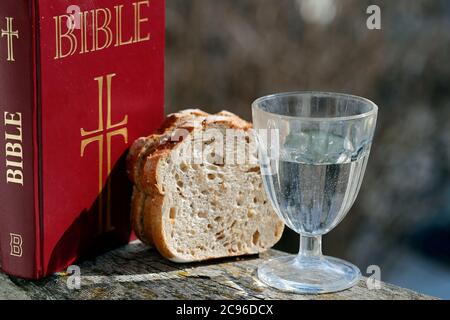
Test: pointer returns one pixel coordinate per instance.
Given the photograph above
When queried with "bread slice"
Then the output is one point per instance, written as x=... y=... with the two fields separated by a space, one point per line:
x=139 y=152
x=194 y=210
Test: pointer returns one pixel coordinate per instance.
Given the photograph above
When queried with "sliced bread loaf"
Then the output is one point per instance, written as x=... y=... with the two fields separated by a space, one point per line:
x=195 y=207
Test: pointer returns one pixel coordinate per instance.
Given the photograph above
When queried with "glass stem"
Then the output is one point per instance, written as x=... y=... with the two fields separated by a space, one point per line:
x=310 y=247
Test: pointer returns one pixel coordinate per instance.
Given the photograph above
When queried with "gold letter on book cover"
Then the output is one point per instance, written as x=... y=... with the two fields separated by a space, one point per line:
x=13 y=147
x=98 y=136
x=16 y=243
x=68 y=35
x=10 y=33
x=138 y=21
x=104 y=28
x=119 y=31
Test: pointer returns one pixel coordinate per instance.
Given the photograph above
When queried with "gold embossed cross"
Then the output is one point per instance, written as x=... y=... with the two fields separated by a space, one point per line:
x=10 y=34
x=98 y=136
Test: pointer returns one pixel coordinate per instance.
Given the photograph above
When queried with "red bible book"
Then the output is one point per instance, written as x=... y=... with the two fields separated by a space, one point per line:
x=79 y=82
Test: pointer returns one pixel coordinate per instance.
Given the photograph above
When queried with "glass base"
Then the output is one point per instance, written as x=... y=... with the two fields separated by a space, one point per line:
x=309 y=275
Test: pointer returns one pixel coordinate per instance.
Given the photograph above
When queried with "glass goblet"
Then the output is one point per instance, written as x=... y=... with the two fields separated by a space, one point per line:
x=313 y=150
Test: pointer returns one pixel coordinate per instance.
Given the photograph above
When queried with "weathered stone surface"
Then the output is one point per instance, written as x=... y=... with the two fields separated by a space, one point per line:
x=137 y=272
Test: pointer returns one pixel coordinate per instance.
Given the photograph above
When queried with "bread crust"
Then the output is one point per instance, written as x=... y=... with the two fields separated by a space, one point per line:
x=143 y=165
x=138 y=201
x=142 y=147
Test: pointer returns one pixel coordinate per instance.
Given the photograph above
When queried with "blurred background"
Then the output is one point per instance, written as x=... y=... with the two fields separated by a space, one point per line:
x=223 y=54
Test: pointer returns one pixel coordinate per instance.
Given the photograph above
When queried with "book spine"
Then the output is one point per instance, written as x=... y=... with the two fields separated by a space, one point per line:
x=19 y=231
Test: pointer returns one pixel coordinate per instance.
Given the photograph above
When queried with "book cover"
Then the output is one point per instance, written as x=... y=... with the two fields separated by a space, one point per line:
x=80 y=81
